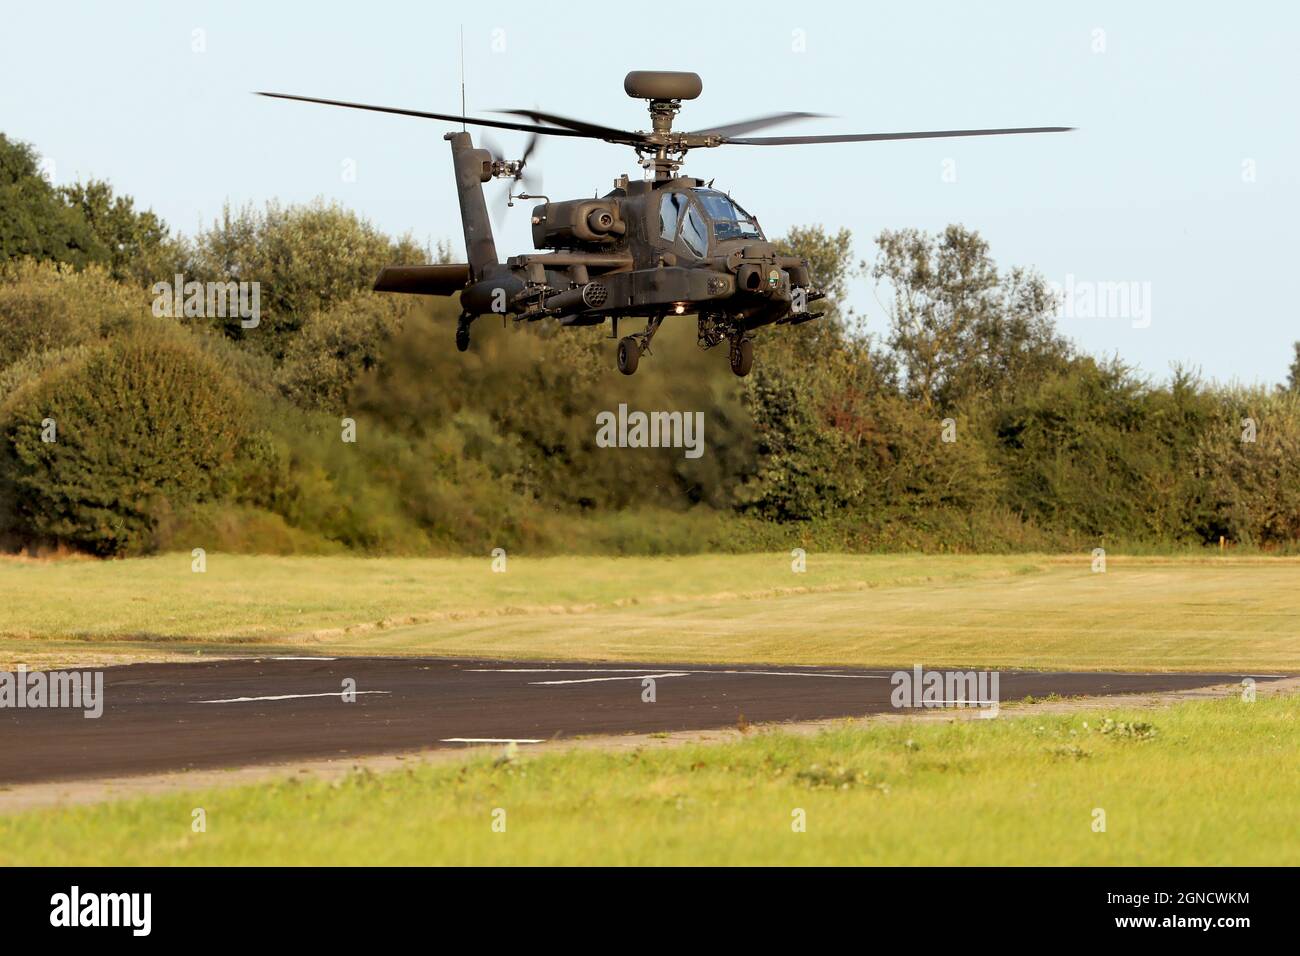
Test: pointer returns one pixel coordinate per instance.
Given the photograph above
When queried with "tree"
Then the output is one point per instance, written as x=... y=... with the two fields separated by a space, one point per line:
x=831 y=260
x=34 y=220
x=830 y=257
x=134 y=240
x=306 y=259
x=1293 y=376
x=960 y=330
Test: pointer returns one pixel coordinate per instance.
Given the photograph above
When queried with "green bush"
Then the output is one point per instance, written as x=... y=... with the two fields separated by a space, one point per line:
x=805 y=469
x=144 y=419
x=307 y=259
x=234 y=528
x=1099 y=453
x=48 y=305
x=325 y=359
x=1249 y=458
x=542 y=389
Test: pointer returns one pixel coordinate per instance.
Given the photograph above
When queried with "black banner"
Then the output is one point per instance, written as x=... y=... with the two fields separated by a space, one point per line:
x=341 y=905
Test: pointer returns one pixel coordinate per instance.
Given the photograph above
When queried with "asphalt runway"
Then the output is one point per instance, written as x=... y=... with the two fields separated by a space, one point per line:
x=227 y=713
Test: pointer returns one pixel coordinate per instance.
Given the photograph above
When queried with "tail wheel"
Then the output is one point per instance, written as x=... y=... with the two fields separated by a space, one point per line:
x=462 y=338
x=742 y=357
x=629 y=355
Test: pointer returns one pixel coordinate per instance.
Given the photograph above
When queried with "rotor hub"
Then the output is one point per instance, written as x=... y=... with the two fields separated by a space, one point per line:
x=663 y=91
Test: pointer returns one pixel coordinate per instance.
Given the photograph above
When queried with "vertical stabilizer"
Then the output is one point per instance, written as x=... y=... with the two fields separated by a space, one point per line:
x=473 y=169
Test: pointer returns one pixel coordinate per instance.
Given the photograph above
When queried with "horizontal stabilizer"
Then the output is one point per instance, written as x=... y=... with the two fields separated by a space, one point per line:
x=424 y=280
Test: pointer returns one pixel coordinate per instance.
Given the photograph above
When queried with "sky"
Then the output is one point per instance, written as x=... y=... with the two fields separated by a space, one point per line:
x=1169 y=215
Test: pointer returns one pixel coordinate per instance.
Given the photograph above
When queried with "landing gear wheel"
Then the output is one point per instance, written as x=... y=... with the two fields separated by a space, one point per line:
x=742 y=357
x=629 y=354
x=462 y=338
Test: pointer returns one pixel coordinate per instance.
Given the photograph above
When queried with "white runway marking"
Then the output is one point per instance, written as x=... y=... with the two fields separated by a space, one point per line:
x=630 y=670
x=490 y=740
x=554 y=670
x=592 y=680
x=245 y=700
x=798 y=674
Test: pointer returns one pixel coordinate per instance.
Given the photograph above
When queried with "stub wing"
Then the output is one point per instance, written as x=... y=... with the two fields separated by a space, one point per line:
x=445 y=279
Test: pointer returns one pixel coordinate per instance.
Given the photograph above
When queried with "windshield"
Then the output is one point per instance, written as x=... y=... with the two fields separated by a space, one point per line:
x=729 y=220
x=670 y=211
x=695 y=233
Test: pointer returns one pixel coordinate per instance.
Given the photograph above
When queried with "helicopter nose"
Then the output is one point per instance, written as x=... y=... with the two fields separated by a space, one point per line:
x=749 y=278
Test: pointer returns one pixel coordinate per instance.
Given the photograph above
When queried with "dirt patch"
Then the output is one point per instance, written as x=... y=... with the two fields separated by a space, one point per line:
x=66 y=658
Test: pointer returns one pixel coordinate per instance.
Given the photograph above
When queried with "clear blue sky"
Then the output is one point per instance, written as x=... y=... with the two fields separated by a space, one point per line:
x=1150 y=188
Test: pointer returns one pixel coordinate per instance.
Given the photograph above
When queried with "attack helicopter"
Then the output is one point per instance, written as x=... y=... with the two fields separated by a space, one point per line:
x=663 y=245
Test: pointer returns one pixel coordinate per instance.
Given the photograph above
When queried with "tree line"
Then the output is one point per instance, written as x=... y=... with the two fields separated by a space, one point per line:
x=345 y=419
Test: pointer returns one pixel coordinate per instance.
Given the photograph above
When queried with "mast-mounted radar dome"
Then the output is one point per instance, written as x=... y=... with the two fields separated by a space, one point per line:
x=662 y=85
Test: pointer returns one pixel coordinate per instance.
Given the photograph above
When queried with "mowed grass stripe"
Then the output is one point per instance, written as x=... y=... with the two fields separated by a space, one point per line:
x=1061 y=618
x=264 y=596
x=1001 y=611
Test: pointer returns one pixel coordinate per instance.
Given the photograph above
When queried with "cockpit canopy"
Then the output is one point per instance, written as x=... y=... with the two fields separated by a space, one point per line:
x=729 y=220
x=680 y=218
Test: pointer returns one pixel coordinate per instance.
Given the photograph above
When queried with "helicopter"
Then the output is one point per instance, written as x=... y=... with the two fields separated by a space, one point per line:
x=667 y=244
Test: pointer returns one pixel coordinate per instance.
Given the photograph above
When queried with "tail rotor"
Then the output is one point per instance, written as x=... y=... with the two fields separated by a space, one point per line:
x=516 y=173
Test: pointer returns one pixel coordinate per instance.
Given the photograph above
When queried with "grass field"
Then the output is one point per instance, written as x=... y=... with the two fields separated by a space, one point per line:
x=999 y=611
x=1211 y=782
x=1208 y=782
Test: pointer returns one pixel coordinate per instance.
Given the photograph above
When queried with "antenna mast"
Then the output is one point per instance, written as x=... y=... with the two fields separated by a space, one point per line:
x=462 y=76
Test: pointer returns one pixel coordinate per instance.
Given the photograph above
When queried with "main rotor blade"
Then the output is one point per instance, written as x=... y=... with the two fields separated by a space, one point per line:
x=758 y=122
x=873 y=137
x=448 y=117
x=578 y=126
